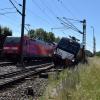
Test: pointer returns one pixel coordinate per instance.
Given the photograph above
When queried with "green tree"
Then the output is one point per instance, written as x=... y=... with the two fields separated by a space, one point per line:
x=40 y=33
x=57 y=39
x=51 y=36
x=98 y=53
x=5 y=31
x=31 y=33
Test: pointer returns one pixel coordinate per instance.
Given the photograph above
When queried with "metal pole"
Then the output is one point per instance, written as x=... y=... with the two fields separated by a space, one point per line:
x=84 y=40
x=22 y=30
x=94 y=43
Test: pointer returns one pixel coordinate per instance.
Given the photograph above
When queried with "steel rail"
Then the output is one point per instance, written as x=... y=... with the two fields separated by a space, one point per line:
x=13 y=78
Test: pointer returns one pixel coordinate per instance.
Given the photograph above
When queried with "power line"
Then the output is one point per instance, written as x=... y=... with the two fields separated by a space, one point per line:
x=3 y=9
x=68 y=25
x=41 y=9
x=7 y=13
x=18 y=3
x=15 y=7
x=66 y=8
x=51 y=11
x=73 y=20
x=34 y=14
x=10 y=20
x=26 y=29
x=58 y=8
x=72 y=25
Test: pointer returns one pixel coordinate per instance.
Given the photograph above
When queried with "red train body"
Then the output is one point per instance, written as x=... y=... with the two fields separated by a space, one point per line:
x=32 y=48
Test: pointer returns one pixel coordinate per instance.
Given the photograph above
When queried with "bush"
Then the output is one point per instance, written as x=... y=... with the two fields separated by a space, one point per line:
x=98 y=53
x=82 y=83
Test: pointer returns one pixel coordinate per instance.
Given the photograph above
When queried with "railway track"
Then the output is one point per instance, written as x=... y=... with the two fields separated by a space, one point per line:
x=10 y=78
x=5 y=63
x=32 y=62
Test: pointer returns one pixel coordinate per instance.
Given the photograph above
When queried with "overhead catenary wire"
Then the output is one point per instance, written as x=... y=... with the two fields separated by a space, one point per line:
x=72 y=25
x=18 y=3
x=66 y=8
x=59 y=28
x=50 y=10
x=26 y=29
x=67 y=25
x=3 y=9
x=68 y=22
x=38 y=6
x=32 y=13
x=11 y=20
x=74 y=20
x=4 y=13
x=15 y=7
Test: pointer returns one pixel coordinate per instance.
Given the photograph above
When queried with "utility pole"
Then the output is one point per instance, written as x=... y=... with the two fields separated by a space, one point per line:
x=84 y=33
x=22 y=30
x=84 y=40
x=94 y=42
x=94 y=45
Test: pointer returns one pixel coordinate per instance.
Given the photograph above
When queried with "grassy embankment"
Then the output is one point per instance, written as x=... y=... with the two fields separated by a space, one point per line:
x=82 y=83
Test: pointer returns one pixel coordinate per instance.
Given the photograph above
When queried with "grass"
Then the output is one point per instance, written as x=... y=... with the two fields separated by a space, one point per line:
x=82 y=83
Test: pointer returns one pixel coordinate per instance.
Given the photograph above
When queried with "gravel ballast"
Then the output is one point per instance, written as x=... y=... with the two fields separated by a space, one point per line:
x=18 y=91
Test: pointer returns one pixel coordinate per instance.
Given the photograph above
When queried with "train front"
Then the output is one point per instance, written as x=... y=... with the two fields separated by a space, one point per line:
x=66 y=52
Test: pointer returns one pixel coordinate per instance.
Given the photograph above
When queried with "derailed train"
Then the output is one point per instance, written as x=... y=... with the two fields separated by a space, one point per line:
x=32 y=48
x=68 y=52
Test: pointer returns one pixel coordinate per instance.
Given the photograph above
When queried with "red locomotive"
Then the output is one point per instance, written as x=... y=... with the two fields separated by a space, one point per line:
x=32 y=48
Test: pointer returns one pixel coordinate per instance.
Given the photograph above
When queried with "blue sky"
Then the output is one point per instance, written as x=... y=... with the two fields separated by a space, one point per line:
x=43 y=13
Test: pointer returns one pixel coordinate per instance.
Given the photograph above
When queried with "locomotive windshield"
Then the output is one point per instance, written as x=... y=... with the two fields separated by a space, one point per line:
x=69 y=45
x=12 y=40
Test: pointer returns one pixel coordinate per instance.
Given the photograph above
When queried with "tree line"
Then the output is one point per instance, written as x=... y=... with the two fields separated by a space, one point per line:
x=5 y=31
x=38 y=33
x=97 y=53
x=42 y=34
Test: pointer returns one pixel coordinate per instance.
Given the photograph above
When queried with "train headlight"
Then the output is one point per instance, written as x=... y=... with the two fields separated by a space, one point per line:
x=73 y=60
